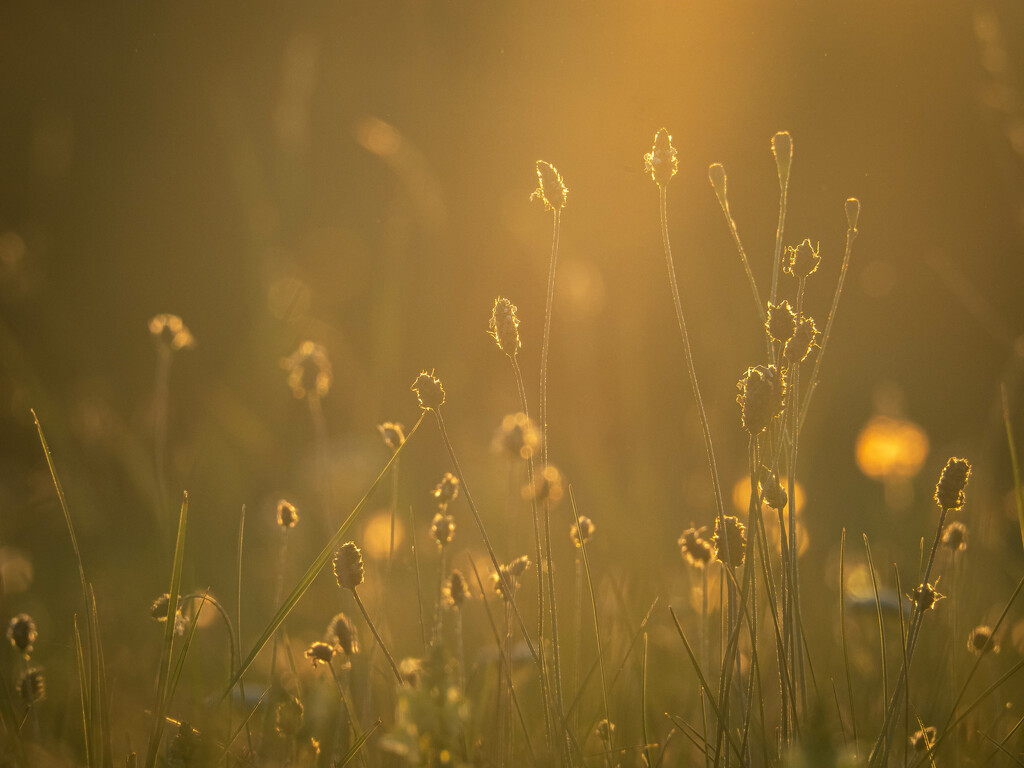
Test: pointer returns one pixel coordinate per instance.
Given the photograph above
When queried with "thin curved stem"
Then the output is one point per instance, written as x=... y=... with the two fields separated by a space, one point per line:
x=378 y=638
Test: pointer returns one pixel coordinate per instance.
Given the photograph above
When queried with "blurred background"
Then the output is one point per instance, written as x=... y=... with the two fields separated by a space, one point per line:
x=358 y=175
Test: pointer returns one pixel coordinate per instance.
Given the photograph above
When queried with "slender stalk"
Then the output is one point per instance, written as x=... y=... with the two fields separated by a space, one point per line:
x=723 y=202
x=416 y=568
x=842 y=629
x=377 y=637
x=238 y=618
x=353 y=721
x=278 y=588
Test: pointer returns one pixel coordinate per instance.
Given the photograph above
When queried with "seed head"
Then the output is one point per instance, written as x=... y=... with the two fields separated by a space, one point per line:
x=852 y=213
x=949 y=491
x=604 y=730
x=782 y=148
x=428 y=391
x=393 y=434
x=158 y=610
x=695 y=548
x=518 y=566
x=581 y=532
x=341 y=632
x=781 y=322
x=504 y=326
x=309 y=371
x=736 y=535
x=925 y=596
x=171 y=332
x=456 y=589
x=954 y=537
x=411 y=671
x=442 y=529
x=287 y=514
x=32 y=686
x=552 y=191
x=546 y=487
x=447 y=490
x=718 y=179
x=799 y=347
x=801 y=261
x=348 y=566
x=981 y=641
x=509 y=574
x=517 y=437
x=771 y=490
x=185 y=748
x=923 y=740
x=320 y=653
x=761 y=397
x=661 y=162
x=288 y=716
x=22 y=633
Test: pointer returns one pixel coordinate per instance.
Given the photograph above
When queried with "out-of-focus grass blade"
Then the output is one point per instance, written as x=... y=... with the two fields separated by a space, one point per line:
x=1018 y=492
x=10 y=720
x=101 y=708
x=244 y=724
x=179 y=665
x=315 y=567
x=359 y=744
x=168 y=643
x=83 y=687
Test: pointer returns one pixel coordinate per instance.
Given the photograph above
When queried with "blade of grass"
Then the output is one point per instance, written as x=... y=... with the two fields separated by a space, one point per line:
x=10 y=721
x=318 y=564
x=244 y=726
x=842 y=629
x=1018 y=492
x=179 y=665
x=358 y=745
x=168 y=642
x=83 y=687
x=643 y=703
x=881 y=625
x=102 y=708
x=903 y=648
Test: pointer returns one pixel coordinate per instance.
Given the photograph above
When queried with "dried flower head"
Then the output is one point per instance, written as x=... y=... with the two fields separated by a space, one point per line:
x=981 y=641
x=341 y=632
x=781 y=322
x=504 y=326
x=411 y=671
x=771 y=490
x=320 y=653
x=171 y=332
x=158 y=610
x=661 y=162
x=32 y=686
x=392 y=433
x=309 y=370
x=735 y=535
x=761 y=397
x=22 y=633
x=288 y=716
x=852 y=213
x=518 y=566
x=799 y=347
x=442 y=529
x=509 y=574
x=949 y=491
x=456 y=589
x=925 y=596
x=694 y=547
x=546 y=487
x=348 y=566
x=552 y=191
x=954 y=536
x=801 y=261
x=447 y=490
x=604 y=730
x=924 y=739
x=581 y=531
x=517 y=437
x=428 y=391
x=287 y=514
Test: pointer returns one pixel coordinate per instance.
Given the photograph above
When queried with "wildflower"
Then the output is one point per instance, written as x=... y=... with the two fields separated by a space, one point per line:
x=517 y=437
x=393 y=434
x=781 y=322
x=348 y=566
x=581 y=531
x=342 y=634
x=954 y=537
x=546 y=486
x=309 y=370
x=799 y=346
x=949 y=491
x=923 y=740
x=981 y=641
x=661 y=162
x=428 y=391
x=801 y=261
x=320 y=653
x=552 y=191
x=736 y=535
x=604 y=730
x=288 y=716
x=442 y=529
x=456 y=589
x=171 y=332
x=287 y=514
x=447 y=490
x=504 y=326
x=925 y=596
x=22 y=633
x=32 y=686
x=761 y=397
x=694 y=547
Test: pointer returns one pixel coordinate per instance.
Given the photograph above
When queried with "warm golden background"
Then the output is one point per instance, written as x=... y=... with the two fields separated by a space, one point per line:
x=358 y=174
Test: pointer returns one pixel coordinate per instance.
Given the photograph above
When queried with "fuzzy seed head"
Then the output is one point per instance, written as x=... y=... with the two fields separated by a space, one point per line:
x=442 y=529
x=949 y=492
x=736 y=535
x=771 y=490
x=32 y=686
x=547 y=486
x=22 y=633
x=517 y=437
x=552 y=191
x=761 y=397
x=661 y=162
x=342 y=634
x=171 y=333
x=801 y=261
x=456 y=590
x=925 y=596
x=718 y=179
x=781 y=322
x=287 y=514
x=348 y=566
x=518 y=566
x=411 y=671
x=695 y=548
x=782 y=148
x=924 y=739
x=852 y=213
x=604 y=730
x=981 y=641
x=504 y=326
x=447 y=490
x=393 y=434
x=581 y=532
x=954 y=537
x=799 y=347
x=428 y=391
x=320 y=653
x=309 y=371
x=288 y=716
